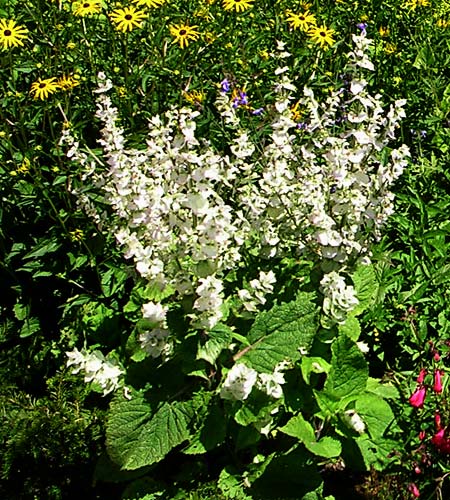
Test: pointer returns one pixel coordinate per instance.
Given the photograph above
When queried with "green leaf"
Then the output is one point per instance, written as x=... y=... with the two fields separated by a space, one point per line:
x=351 y=328
x=313 y=365
x=281 y=333
x=299 y=428
x=376 y=453
x=232 y=485
x=349 y=371
x=219 y=338
x=21 y=311
x=30 y=326
x=210 y=435
x=43 y=248
x=366 y=286
x=136 y=438
x=386 y=391
x=375 y=413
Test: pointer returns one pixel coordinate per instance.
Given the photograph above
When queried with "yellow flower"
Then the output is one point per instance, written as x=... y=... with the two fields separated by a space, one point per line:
x=303 y=21
x=42 y=88
x=150 y=3
x=237 y=5
x=383 y=31
x=413 y=4
x=296 y=114
x=322 y=36
x=442 y=23
x=71 y=45
x=390 y=48
x=76 y=235
x=68 y=82
x=25 y=166
x=11 y=34
x=183 y=33
x=128 y=18
x=194 y=96
x=87 y=7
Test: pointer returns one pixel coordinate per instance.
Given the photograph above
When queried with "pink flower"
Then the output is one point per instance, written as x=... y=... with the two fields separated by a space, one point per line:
x=437 y=381
x=437 y=420
x=422 y=435
x=441 y=442
x=414 y=490
x=418 y=397
x=436 y=356
x=422 y=375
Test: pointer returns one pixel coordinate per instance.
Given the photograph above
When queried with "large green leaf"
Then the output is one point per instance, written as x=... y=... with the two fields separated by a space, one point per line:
x=136 y=438
x=366 y=287
x=281 y=333
x=299 y=428
x=349 y=371
x=375 y=412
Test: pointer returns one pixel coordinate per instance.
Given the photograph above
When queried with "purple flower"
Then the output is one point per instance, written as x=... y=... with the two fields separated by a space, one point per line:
x=362 y=27
x=225 y=84
x=258 y=111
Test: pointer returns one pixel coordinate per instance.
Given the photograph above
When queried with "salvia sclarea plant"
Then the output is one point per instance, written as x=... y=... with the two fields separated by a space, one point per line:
x=289 y=385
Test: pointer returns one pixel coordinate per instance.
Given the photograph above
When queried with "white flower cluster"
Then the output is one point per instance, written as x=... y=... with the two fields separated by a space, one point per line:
x=325 y=183
x=96 y=368
x=339 y=298
x=259 y=288
x=186 y=213
x=156 y=341
x=241 y=379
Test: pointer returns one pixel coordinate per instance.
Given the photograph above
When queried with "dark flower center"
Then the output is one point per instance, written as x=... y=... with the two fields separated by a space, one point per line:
x=128 y=17
x=86 y=5
x=323 y=34
x=183 y=32
x=42 y=85
x=7 y=33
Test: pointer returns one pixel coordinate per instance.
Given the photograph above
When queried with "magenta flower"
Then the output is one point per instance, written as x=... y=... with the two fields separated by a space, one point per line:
x=437 y=420
x=437 y=381
x=414 y=490
x=441 y=443
x=422 y=375
x=418 y=397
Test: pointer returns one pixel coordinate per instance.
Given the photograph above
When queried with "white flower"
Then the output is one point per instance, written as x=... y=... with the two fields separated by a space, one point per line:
x=239 y=382
x=354 y=421
x=154 y=312
x=339 y=298
x=156 y=342
x=96 y=368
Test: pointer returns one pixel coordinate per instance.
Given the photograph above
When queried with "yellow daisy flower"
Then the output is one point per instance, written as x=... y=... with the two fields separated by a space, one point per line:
x=322 y=36
x=87 y=8
x=150 y=3
x=183 y=33
x=303 y=21
x=383 y=31
x=11 y=34
x=237 y=5
x=194 y=96
x=128 y=18
x=42 y=88
x=68 y=82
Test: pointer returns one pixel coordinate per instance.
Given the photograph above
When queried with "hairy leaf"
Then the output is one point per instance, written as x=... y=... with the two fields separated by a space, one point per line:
x=136 y=438
x=349 y=372
x=281 y=333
